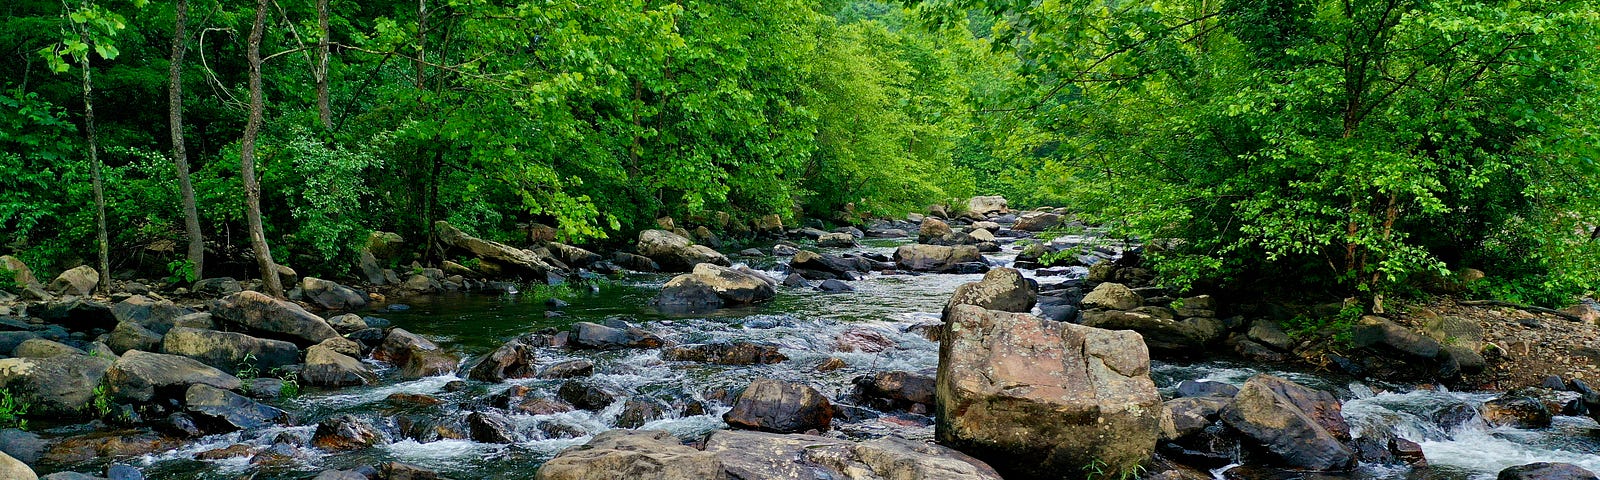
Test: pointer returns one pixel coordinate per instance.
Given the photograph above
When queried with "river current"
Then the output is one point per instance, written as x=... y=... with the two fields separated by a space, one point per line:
x=805 y=325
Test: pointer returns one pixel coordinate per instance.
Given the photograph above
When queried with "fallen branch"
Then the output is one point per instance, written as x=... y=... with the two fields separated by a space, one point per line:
x=1528 y=308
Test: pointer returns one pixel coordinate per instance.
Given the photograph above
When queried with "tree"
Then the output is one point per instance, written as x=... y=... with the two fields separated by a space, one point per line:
x=1355 y=145
x=92 y=28
x=247 y=159
x=180 y=155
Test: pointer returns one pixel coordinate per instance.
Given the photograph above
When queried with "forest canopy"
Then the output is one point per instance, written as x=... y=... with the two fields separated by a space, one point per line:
x=1353 y=146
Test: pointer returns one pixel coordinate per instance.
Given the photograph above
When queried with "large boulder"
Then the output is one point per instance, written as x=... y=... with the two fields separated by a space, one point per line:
x=573 y=256
x=138 y=377
x=12 y=469
x=642 y=454
x=984 y=205
x=1043 y=399
x=399 y=344
x=331 y=295
x=20 y=273
x=601 y=337
x=224 y=411
x=751 y=455
x=1372 y=331
x=1302 y=427
x=511 y=361
x=229 y=351
x=1169 y=337
x=272 y=318
x=1037 y=221
x=725 y=353
x=345 y=432
x=836 y=240
x=499 y=256
x=676 y=253
x=62 y=385
x=80 y=314
x=133 y=336
x=325 y=367
x=725 y=285
x=1002 y=289
x=1112 y=296
x=820 y=262
x=79 y=281
x=1546 y=471
x=934 y=258
x=156 y=315
x=776 y=406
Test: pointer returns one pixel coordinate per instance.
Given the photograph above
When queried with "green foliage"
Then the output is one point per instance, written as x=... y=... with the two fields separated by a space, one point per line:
x=12 y=411
x=289 y=388
x=181 y=270
x=101 y=404
x=1350 y=147
x=1338 y=328
x=248 y=368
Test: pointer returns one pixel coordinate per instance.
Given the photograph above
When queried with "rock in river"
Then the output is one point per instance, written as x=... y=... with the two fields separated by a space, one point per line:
x=934 y=258
x=783 y=407
x=676 y=253
x=138 y=377
x=712 y=285
x=1043 y=399
x=229 y=351
x=1301 y=426
x=642 y=454
x=273 y=318
x=59 y=385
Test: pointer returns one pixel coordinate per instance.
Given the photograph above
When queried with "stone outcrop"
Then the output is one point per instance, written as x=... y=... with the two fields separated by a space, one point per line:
x=1043 y=399
x=225 y=411
x=79 y=281
x=499 y=257
x=748 y=455
x=511 y=361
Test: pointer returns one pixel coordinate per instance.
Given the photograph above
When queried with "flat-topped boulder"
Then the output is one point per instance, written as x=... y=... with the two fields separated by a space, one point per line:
x=138 y=376
x=230 y=351
x=272 y=318
x=935 y=258
x=59 y=385
x=713 y=286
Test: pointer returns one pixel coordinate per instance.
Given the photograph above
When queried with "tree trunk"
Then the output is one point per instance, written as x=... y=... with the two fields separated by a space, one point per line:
x=96 y=177
x=422 y=42
x=323 y=112
x=247 y=160
x=180 y=155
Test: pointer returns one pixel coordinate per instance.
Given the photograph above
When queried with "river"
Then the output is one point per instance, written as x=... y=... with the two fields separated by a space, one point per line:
x=805 y=324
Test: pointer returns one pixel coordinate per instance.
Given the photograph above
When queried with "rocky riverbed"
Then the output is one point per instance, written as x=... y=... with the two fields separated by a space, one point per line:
x=816 y=358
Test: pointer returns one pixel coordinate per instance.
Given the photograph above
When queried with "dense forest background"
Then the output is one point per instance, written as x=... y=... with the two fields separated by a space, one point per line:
x=1358 y=146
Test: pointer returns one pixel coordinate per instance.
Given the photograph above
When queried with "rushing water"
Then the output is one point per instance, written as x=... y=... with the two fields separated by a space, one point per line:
x=804 y=324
